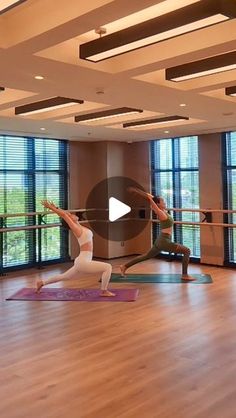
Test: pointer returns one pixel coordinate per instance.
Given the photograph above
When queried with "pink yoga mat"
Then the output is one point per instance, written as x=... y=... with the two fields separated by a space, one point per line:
x=78 y=295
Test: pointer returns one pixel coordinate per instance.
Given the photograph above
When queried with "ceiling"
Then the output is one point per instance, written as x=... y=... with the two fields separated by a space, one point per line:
x=42 y=37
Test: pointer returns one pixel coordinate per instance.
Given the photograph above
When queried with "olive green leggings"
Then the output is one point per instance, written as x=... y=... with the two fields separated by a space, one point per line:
x=164 y=243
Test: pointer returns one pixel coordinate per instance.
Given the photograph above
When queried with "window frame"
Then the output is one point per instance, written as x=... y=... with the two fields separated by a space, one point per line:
x=30 y=173
x=176 y=171
x=227 y=201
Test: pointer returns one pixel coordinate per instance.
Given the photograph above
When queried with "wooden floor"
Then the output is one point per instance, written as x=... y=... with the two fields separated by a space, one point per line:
x=170 y=354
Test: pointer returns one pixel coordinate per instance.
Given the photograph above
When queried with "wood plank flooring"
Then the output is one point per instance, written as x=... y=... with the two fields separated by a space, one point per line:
x=170 y=354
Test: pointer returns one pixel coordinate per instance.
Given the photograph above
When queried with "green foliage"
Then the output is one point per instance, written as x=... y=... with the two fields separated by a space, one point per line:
x=18 y=245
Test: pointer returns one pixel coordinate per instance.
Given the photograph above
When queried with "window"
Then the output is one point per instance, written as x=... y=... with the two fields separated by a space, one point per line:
x=175 y=177
x=31 y=169
x=229 y=181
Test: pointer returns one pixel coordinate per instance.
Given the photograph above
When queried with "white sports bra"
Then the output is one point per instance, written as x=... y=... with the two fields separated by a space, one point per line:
x=86 y=236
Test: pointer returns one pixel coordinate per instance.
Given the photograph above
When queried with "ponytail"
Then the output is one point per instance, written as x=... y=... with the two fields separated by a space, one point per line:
x=156 y=199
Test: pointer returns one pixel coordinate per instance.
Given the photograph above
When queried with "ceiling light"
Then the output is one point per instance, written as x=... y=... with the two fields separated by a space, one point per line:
x=42 y=129
x=186 y=19
x=39 y=77
x=148 y=122
x=228 y=113
x=231 y=91
x=166 y=132
x=183 y=104
x=6 y=5
x=204 y=67
x=100 y=91
x=46 y=105
x=106 y=114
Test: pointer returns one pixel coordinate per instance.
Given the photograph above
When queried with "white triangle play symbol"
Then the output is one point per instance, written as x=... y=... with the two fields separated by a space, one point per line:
x=117 y=209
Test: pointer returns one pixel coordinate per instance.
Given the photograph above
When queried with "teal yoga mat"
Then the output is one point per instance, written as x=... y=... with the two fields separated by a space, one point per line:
x=160 y=278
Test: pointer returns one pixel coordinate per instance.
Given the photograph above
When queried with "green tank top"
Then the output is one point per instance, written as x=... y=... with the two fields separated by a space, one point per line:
x=167 y=223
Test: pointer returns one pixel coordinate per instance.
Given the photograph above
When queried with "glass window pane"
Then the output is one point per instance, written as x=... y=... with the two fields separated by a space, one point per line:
x=47 y=187
x=188 y=151
x=162 y=154
x=15 y=197
x=190 y=195
x=191 y=239
x=2 y=193
x=231 y=148
x=31 y=169
x=233 y=248
x=163 y=186
x=51 y=245
x=13 y=153
x=47 y=156
x=16 y=248
x=231 y=200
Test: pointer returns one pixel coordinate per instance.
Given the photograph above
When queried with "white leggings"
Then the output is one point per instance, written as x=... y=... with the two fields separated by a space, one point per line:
x=84 y=264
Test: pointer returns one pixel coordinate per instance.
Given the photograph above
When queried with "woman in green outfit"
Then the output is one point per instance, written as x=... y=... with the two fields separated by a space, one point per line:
x=163 y=241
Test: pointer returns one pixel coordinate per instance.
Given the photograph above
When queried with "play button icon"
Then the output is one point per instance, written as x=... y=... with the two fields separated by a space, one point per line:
x=117 y=209
x=109 y=201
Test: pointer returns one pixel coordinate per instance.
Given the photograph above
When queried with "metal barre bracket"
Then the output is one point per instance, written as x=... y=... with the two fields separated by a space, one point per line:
x=207 y=217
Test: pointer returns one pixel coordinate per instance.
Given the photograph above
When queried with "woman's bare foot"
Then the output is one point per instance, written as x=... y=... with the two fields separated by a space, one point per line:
x=106 y=293
x=39 y=284
x=122 y=270
x=187 y=277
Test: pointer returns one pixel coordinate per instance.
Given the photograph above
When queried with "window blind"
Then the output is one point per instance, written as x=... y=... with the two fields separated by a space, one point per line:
x=31 y=169
x=229 y=191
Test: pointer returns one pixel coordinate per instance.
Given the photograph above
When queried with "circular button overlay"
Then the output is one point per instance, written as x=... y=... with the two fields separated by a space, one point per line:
x=107 y=200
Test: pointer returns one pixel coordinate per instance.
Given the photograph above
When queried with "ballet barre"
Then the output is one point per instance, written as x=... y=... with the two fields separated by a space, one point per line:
x=200 y=223
x=203 y=210
x=15 y=215
x=28 y=227
x=53 y=225
x=207 y=221
x=42 y=223
x=200 y=210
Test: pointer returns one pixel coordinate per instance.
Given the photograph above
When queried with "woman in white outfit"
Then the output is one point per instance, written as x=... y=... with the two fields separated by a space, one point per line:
x=83 y=263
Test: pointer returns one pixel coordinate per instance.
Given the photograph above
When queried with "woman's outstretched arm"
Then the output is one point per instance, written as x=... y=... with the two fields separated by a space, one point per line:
x=140 y=192
x=148 y=196
x=73 y=225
